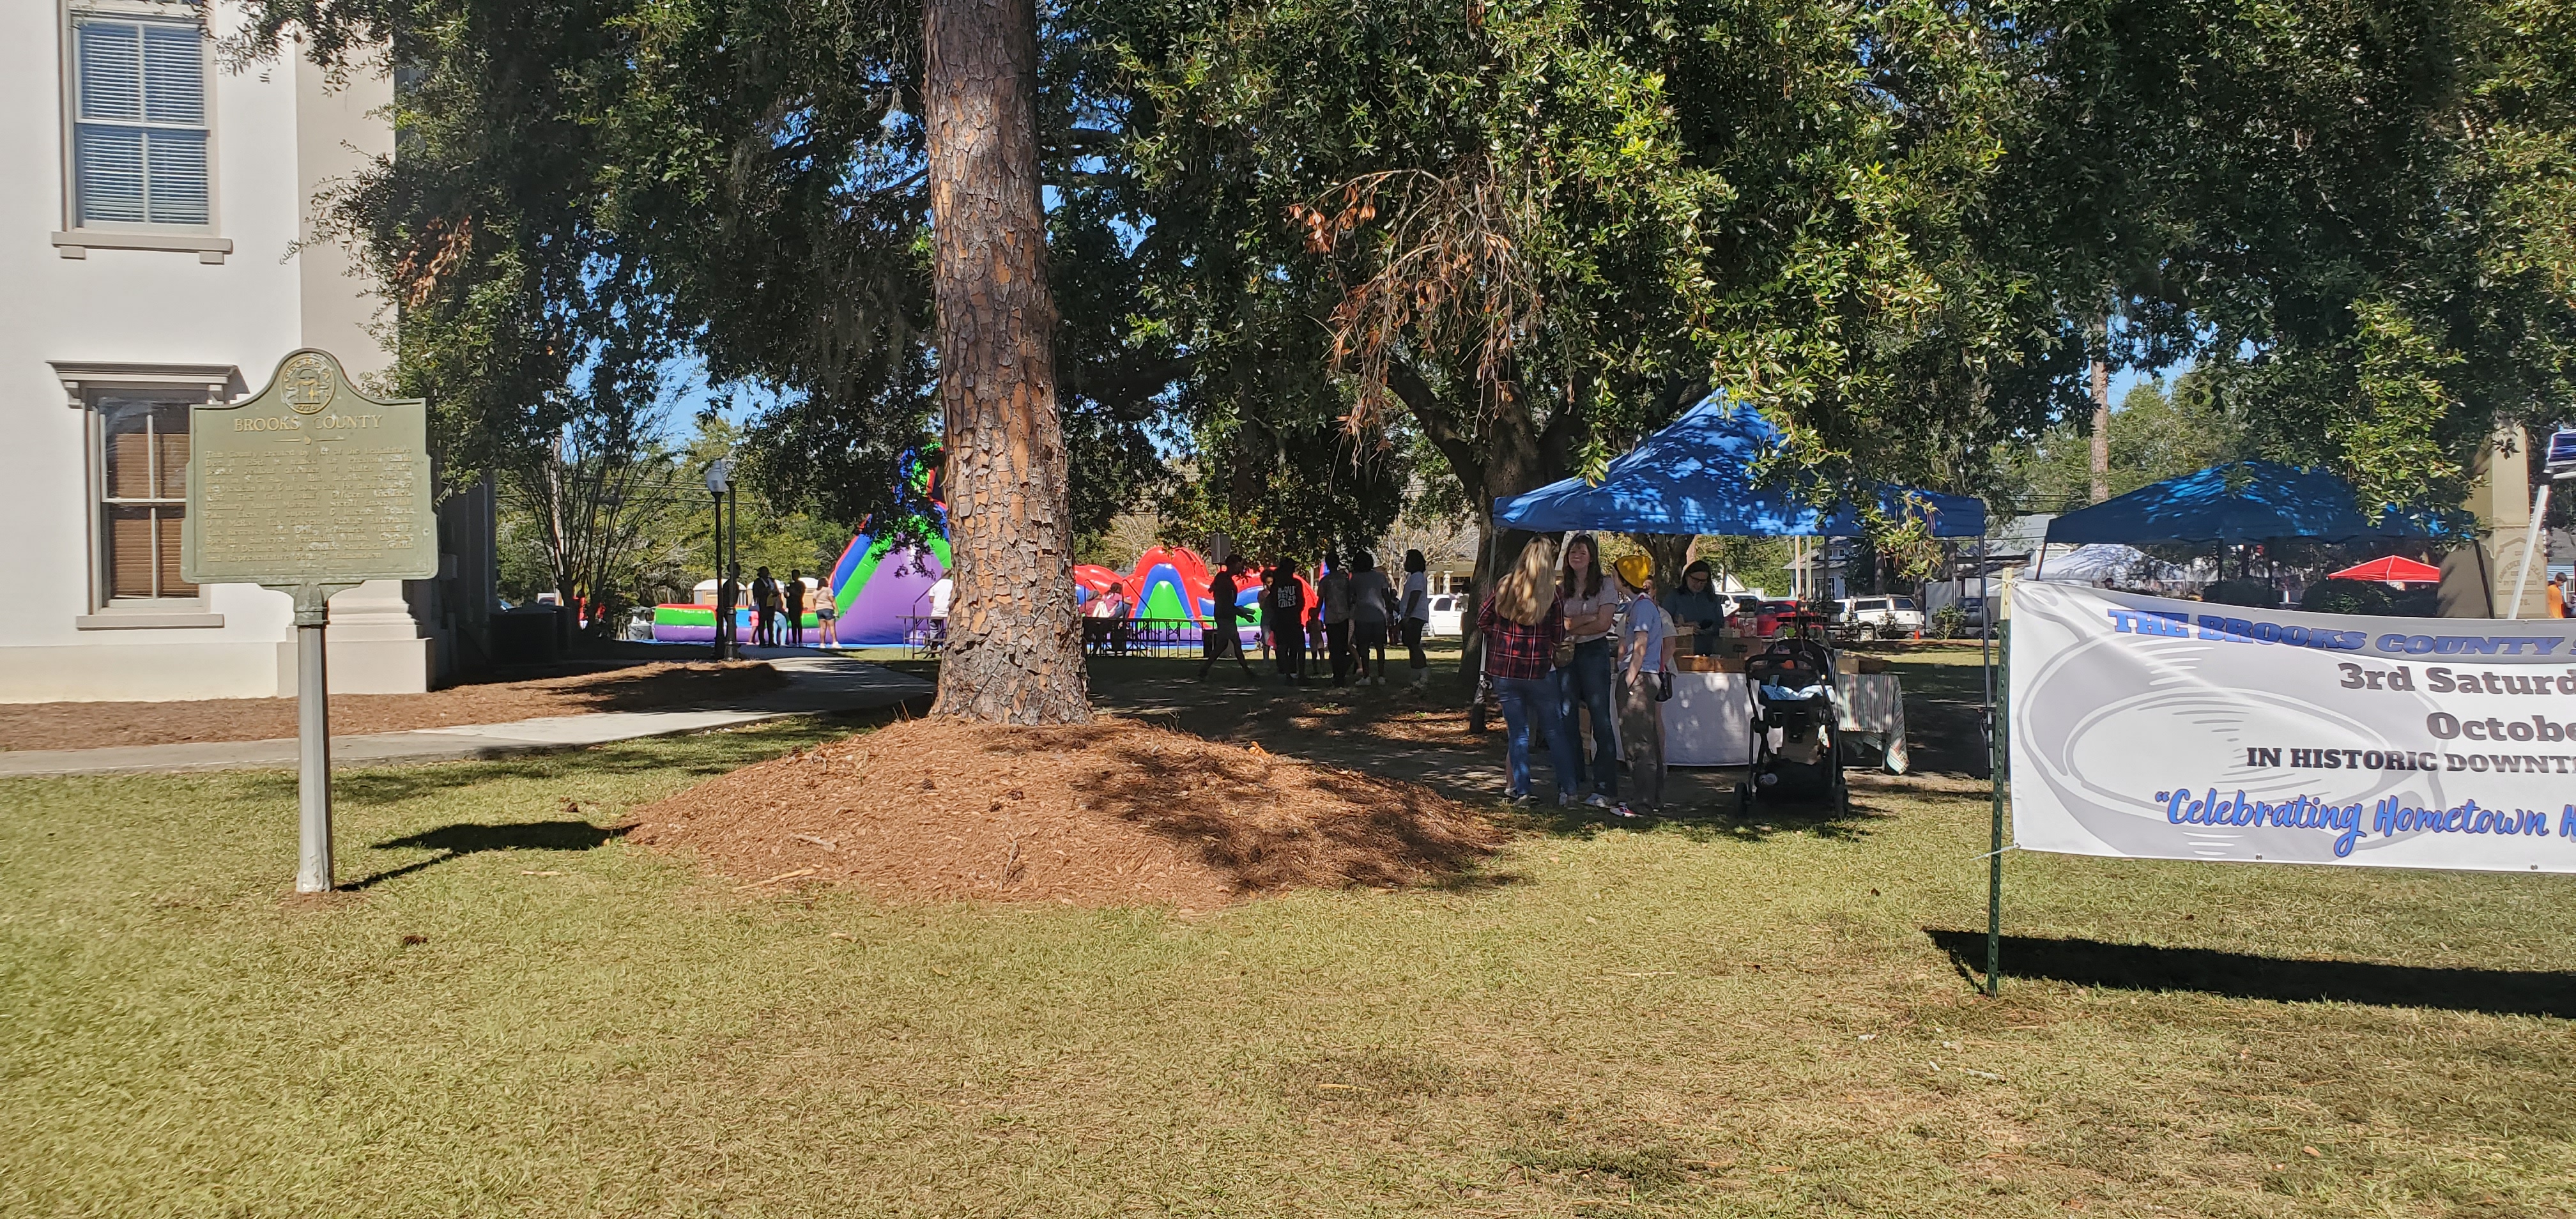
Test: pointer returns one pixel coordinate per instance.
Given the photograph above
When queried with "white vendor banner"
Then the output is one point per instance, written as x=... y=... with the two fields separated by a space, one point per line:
x=2157 y=729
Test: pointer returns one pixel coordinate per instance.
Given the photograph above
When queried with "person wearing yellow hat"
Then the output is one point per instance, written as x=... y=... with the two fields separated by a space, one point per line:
x=1634 y=569
x=1646 y=661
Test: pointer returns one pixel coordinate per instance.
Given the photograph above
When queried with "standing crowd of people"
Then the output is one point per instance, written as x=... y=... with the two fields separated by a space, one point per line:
x=778 y=608
x=1346 y=619
x=1561 y=642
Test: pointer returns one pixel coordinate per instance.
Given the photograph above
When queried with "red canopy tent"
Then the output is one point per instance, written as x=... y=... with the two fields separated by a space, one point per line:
x=2393 y=569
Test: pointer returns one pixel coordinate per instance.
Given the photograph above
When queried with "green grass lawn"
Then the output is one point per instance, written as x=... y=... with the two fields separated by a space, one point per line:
x=517 y=1013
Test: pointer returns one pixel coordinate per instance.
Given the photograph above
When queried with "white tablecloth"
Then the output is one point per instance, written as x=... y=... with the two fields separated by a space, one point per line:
x=1707 y=721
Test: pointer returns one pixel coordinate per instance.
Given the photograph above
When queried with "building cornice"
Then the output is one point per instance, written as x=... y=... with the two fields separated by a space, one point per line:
x=78 y=376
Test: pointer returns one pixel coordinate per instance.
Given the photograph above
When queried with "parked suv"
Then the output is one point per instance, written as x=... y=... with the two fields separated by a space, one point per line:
x=1882 y=617
x=1448 y=611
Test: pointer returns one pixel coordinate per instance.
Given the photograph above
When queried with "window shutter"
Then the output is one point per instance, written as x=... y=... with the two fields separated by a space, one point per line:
x=176 y=161
x=109 y=165
x=170 y=449
x=174 y=75
x=166 y=560
x=130 y=551
x=111 y=71
x=139 y=144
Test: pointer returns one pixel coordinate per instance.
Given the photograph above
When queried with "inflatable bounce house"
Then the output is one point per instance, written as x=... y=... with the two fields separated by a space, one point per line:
x=879 y=585
x=1091 y=579
x=1172 y=586
x=882 y=588
x=1169 y=584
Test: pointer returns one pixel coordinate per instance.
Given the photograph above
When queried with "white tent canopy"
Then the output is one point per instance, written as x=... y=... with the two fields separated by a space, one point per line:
x=2121 y=565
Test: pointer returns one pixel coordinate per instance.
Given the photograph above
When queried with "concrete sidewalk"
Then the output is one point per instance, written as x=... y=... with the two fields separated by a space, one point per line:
x=815 y=684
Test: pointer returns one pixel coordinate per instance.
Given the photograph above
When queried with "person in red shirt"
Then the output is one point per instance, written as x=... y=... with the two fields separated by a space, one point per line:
x=1521 y=624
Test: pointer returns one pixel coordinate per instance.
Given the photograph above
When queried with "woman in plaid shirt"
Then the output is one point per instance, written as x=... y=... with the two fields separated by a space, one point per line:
x=1521 y=625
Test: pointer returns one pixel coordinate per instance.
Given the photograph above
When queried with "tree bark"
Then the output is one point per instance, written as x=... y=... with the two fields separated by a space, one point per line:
x=1493 y=454
x=1014 y=651
x=1671 y=553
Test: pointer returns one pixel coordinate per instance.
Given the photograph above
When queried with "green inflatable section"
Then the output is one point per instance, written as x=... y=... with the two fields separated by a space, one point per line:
x=1165 y=603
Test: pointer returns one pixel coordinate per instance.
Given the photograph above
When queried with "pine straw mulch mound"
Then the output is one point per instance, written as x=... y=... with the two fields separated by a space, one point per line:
x=631 y=688
x=1108 y=813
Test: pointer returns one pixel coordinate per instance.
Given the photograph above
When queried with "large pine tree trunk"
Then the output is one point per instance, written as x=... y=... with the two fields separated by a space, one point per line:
x=1671 y=553
x=1014 y=645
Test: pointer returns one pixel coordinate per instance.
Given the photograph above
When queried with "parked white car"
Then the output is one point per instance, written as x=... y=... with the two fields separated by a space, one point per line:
x=1448 y=611
x=1882 y=617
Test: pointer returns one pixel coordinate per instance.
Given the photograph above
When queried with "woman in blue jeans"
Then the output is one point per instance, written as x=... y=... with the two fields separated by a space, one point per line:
x=1521 y=624
x=1588 y=595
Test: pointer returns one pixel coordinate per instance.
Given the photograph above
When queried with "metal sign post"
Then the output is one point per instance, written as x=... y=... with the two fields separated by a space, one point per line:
x=720 y=481
x=313 y=872
x=309 y=487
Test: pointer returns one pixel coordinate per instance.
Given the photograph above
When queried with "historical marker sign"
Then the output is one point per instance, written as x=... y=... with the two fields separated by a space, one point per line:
x=309 y=483
x=311 y=487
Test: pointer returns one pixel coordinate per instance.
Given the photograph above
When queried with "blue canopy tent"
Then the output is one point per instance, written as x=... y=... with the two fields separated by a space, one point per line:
x=1696 y=476
x=2245 y=501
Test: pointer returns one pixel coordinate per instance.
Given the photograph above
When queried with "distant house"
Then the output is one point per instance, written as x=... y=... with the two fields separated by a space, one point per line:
x=150 y=233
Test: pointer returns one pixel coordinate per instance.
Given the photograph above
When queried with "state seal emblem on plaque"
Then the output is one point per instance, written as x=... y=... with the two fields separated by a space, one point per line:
x=307 y=383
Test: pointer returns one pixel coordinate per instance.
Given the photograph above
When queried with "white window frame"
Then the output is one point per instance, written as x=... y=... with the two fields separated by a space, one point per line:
x=77 y=239
x=84 y=384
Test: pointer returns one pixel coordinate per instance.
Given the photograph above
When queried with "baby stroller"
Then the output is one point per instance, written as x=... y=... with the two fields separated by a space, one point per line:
x=1792 y=684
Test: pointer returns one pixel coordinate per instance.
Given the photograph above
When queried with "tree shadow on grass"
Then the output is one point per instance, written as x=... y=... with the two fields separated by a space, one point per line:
x=2502 y=992
x=473 y=838
x=639 y=686
x=1700 y=806
x=1269 y=828
x=1424 y=738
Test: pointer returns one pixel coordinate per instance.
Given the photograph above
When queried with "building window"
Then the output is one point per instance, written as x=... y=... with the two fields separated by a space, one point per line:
x=139 y=131
x=143 y=479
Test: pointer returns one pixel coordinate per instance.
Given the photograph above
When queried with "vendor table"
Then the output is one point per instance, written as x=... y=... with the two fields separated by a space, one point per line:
x=1704 y=722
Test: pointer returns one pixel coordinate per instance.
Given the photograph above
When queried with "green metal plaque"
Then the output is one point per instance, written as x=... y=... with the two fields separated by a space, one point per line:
x=308 y=484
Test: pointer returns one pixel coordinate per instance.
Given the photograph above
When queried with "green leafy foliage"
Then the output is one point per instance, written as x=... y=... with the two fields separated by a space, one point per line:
x=2366 y=597
x=1502 y=240
x=2354 y=216
x=586 y=190
x=1536 y=230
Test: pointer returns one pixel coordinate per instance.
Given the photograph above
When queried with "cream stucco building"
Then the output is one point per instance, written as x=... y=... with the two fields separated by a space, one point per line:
x=151 y=255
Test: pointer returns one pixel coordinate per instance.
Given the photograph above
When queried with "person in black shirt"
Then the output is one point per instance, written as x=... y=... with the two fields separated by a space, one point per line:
x=795 y=608
x=1225 y=636
x=764 y=603
x=1288 y=597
